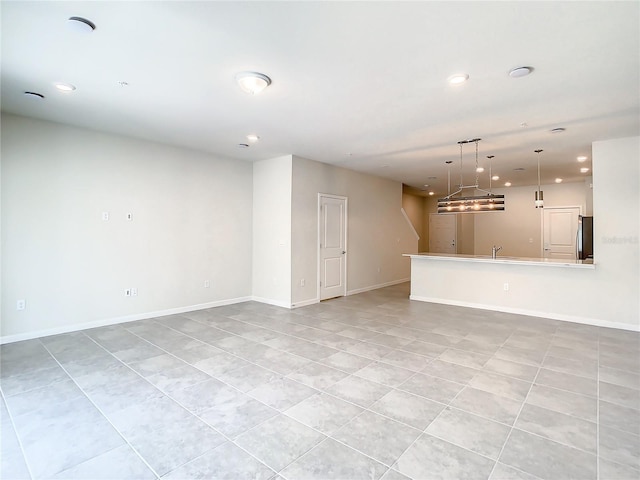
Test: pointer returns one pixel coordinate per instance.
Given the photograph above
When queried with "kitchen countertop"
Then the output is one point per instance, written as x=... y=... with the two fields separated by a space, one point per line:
x=504 y=260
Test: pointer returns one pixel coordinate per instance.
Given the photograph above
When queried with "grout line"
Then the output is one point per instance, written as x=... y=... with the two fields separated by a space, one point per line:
x=15 y=432
x=100 y=410
x=598 y=413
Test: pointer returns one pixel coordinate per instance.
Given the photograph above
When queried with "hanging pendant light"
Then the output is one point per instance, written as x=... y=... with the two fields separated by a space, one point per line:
x=539 y=194
x=473 y=203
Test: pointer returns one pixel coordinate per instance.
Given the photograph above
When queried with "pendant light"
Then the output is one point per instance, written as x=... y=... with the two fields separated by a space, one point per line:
x=539 y=194
x=473 y=203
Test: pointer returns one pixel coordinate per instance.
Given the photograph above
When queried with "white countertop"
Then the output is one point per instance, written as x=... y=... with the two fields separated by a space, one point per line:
x=549 y=262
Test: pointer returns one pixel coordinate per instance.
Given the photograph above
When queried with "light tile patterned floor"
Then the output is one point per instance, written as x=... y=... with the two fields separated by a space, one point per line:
x=363 y=387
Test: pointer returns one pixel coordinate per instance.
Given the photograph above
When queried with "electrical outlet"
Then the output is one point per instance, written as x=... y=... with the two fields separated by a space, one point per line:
x=134 y=292
x=506 y=287
x=207 y=283
x=127 y=292
x=21 y=305
x=105 y=216
x=130 y=216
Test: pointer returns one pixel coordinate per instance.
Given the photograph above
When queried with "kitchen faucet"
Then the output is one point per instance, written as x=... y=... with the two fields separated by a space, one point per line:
x=494 y=251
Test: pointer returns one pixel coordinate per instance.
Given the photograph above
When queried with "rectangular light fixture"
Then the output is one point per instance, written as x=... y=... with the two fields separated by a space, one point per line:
x=474 y=204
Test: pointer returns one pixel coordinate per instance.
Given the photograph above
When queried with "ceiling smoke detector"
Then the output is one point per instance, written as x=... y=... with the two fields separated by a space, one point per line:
x=36 y=95
x=520 y=72
x=81 y=25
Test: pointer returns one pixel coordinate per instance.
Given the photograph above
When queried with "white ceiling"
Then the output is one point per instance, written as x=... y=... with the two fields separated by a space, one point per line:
x=357 y=84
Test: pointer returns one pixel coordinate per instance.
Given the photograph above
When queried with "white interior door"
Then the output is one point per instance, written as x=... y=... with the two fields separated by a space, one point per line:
x=442 y=233
x=559 y=230
x=333 y=246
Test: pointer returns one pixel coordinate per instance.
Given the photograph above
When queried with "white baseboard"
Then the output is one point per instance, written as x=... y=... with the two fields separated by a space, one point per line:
x=269 y=301
x=305 y=303
x=531 y=313
x=375 y=287
x=114 y=321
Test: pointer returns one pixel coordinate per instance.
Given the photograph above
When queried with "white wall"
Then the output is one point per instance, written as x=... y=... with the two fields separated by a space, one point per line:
x=272 y=230
x=607 y=295
x=192 y=221
x=378 y=234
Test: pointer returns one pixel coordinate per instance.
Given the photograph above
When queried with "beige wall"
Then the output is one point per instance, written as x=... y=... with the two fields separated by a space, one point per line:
x=192 y=221
x=519 y=228
x=414 y=206
x=377 y=236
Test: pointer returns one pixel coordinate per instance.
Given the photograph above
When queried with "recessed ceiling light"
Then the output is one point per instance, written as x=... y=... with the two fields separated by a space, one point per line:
x=65 y=87
x=35 y=95
x=507 y=184
x=252 y=82
x=81 y=25
x=519 y=169
x=480 y=169
x=458 y=78
x=432 y=193
x=558 y=180
x=581 y=158
x=520 y=72
x=558 y=130
x=495 y=177
x=253 y=138
x=584 y=170
x=243 y=145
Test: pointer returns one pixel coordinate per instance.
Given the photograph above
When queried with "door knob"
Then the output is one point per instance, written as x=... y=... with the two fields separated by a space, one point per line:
x=343 y=252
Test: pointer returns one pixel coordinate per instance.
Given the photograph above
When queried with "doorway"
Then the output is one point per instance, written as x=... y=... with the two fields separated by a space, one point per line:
x=559 y=232
x=332 y=245
x=442 y=233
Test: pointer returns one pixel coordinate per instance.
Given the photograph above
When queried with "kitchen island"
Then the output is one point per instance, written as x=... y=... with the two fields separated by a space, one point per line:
x=541 y=287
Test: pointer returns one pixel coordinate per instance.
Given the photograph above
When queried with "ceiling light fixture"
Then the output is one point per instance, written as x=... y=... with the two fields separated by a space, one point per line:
x=81 y=25
x=495 y=177
x=252 y=82
x=558 y=180
x=65 y=87
x=480 y=169
x=469 y=204
x=458 y=78
x=253 y=138
x=507 y=184
x=539 y=200
x=581 y=158
x=35 y=95
x=584 y=170
x=520 y=72
x=243 y=145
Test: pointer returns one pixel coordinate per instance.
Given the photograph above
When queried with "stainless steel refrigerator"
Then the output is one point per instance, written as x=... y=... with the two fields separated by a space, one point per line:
x=584 y=243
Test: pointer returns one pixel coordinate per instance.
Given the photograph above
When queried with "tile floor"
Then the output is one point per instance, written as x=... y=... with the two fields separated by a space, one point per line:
x=364 y=387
